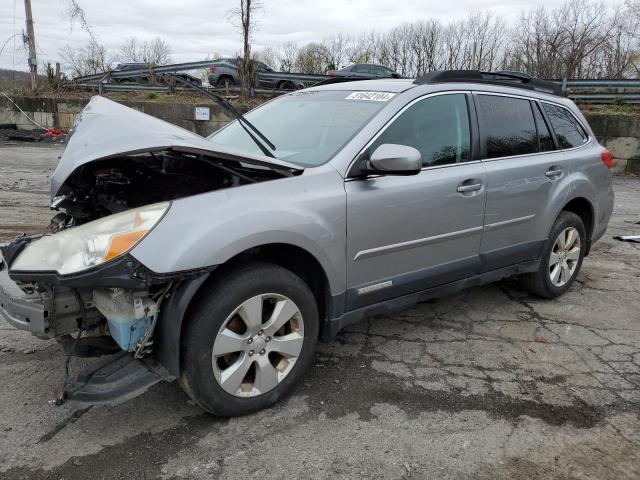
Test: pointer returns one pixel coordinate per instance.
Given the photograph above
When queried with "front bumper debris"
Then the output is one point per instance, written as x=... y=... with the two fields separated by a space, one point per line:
x=43 y=313
x=116 y=380
x=22 y=310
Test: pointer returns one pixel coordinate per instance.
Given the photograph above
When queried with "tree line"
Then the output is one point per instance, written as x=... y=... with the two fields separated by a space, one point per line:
x=580 y=39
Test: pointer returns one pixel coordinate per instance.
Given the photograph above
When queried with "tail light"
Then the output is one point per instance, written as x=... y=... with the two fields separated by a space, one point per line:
x=331 y=73
x=607 y=159
x=212 y=69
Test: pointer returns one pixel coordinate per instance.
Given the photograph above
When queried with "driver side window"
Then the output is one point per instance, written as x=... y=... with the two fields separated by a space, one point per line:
x=438 y=127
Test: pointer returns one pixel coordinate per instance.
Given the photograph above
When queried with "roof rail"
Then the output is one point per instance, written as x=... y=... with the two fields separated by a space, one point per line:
x=504 y=78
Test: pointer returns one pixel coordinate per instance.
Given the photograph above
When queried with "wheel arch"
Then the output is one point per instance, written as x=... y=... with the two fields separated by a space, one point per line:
x=226 y=76
x=186 y=295
x=582 y=207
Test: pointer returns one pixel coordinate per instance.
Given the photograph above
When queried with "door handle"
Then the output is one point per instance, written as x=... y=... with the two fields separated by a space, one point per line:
x=553 y=172
x=469 y=188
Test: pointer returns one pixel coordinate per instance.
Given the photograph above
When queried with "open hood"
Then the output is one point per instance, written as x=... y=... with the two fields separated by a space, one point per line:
x=106 y=129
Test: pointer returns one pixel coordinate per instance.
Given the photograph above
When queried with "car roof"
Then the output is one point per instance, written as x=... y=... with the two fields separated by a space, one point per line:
x=394 y=85
x=399 y=85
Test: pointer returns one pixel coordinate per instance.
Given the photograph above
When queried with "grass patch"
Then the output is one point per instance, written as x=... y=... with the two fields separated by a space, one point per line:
x=612 y=109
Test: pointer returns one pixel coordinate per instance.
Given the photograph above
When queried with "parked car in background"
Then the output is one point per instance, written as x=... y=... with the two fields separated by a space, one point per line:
x=227 y=72
x=364 y=70
x=144 y=79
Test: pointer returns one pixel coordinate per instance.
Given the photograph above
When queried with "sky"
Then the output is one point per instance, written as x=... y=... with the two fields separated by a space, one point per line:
x=197 y=28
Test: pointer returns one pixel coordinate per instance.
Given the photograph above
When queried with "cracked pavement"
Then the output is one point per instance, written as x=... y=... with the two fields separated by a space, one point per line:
x=489 y=383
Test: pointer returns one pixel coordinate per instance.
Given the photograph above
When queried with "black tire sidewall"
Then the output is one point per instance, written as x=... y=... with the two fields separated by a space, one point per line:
x=564 y=220
x=207 y=318
x=223 y=80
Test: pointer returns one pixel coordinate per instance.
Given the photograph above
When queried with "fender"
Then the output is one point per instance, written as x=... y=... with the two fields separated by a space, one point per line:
x=209 y=229
x=581 y=187
x=172 y=314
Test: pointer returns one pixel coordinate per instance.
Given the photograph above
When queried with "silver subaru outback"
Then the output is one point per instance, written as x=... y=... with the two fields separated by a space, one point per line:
x=222 y=261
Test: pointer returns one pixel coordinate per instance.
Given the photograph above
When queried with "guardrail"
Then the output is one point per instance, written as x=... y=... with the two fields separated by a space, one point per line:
x=132 y=87
x=176 y=67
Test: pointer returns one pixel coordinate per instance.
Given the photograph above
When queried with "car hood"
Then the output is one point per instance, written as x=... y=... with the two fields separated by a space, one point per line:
x=106 y=129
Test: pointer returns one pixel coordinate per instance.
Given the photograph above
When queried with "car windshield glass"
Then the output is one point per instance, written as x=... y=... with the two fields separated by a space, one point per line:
x=306 y=127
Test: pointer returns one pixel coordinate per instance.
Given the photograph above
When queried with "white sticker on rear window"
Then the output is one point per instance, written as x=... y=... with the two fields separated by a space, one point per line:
x=371 y=96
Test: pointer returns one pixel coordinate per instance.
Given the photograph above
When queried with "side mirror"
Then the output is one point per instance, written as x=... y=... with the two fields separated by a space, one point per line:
x=392 y=159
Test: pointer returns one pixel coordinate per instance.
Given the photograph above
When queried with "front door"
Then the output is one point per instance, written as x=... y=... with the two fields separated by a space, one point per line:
x=410 y=233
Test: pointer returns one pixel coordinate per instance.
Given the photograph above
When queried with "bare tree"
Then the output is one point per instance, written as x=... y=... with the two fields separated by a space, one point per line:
x=130 y=51
x=310 y=59
x=154 y=52
x=88 y=60
x=76 y=13
x=269 y=56
x=334 y=51
x=288 y=53
x=620 y=55
x=244 y=18
x=580 y=39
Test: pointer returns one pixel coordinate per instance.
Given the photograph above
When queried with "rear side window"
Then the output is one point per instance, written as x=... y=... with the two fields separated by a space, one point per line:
x=568 y=131
x=437 y=126
x=507 y=126
x=544 y=135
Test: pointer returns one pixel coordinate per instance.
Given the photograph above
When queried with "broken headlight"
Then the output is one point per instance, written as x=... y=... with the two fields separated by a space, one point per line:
x=93 y=243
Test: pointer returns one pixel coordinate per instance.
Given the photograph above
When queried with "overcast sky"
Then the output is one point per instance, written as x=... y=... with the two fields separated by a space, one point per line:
x=196 y=28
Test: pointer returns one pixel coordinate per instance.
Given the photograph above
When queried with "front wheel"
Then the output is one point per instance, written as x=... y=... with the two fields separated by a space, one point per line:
x=222 y=82
x=286 y=85
x=561 y=259
x=249 y=340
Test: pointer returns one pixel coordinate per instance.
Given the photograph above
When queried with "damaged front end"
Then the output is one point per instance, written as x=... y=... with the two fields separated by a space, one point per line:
x=79 y=284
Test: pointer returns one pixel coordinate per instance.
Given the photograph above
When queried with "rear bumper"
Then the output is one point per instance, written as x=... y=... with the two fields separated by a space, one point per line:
x=22 y=310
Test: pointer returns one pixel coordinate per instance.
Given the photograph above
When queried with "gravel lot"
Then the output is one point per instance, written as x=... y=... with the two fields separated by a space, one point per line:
x=489 y=383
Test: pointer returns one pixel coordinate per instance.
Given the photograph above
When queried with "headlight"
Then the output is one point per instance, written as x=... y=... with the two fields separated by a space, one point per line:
x=91 y=244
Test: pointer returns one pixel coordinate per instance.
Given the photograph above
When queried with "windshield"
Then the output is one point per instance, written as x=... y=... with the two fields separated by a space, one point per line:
x=307 y=127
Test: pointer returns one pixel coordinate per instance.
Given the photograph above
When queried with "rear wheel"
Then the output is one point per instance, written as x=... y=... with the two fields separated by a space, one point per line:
x=561 y=259
x=249 y=340
x=222 y=81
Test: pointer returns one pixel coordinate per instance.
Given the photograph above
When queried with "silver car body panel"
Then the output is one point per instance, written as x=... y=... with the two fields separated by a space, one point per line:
x=307 y=211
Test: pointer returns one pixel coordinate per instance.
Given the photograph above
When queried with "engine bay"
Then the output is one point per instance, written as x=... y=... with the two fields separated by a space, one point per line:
x=116 y=184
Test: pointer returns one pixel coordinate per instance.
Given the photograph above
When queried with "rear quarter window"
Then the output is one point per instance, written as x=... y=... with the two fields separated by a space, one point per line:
x=569 y=132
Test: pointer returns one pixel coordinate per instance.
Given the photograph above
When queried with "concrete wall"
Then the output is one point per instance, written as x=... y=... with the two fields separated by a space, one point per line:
x=619 y=133
x=61 y=113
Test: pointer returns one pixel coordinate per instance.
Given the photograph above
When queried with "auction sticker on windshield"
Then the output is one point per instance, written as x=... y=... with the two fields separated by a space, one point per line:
x=371 y=96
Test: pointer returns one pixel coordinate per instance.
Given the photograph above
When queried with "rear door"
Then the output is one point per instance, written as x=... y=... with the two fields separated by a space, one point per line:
x=526 y=174
x=410 y=233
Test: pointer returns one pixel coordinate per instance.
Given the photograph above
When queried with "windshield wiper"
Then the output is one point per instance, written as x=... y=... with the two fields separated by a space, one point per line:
x=244 y=123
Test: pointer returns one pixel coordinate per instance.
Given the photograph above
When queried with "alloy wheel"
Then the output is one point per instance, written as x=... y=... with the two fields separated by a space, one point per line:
x=258 y=345
x=565 y=256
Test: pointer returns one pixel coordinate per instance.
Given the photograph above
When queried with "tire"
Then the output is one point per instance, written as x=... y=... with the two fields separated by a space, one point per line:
x=549 y=282
x=223 y=80
x=286 y=85
x=218 y=344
